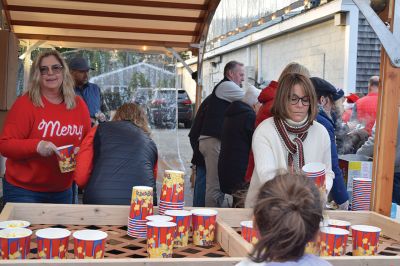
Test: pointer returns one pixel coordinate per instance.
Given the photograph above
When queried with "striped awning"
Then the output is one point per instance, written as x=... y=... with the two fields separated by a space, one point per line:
x=144 y=25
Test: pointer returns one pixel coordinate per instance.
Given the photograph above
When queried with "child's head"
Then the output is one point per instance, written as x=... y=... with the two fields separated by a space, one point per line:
x=287 y=214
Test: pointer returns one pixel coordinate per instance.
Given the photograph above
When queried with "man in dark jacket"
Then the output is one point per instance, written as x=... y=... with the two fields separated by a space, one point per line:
x=327 y=95
x=226 y=91
x=197 y=159
x=89 y=92
x=237 y=134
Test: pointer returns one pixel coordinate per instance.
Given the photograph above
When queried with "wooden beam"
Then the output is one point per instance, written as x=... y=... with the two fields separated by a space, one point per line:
x=386 y=131
x=202 y=37
x=92 y=13
x=101 y=27
x=146 y=4
x=7 y=12
x=101 y=40
x=208 y=15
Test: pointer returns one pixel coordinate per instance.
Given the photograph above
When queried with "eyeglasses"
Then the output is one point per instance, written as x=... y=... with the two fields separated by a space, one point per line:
x=55 y=69
x=305 y=100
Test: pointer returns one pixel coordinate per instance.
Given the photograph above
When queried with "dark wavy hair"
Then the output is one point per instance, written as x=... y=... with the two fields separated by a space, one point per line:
x=287 y=215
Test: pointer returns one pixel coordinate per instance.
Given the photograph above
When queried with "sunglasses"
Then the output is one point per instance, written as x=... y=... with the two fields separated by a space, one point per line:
x=55 y=69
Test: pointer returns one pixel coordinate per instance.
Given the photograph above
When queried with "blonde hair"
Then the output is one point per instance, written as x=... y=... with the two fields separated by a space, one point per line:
x=280 y=107
x=294 y=67
x=133 y=113
x=67 y=86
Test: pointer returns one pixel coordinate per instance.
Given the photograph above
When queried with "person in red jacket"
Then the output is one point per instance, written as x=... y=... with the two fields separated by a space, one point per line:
x=350 y=101
x=364 y=110
x=266 y=98
x=46 y=116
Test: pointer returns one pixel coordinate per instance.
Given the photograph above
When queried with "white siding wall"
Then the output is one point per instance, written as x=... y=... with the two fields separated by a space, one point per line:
x=319 y=47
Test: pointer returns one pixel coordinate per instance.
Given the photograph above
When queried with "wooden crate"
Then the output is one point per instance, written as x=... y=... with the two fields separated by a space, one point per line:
x=113 y=218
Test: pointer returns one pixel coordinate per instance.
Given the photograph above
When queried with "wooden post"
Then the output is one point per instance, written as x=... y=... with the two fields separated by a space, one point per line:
x=386 y=130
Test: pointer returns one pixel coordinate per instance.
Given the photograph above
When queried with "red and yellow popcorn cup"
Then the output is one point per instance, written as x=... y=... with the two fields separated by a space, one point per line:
x=14 y=224
x=333 y=241
x=365 y=240
x=160 y=239
x=339 y=224
x=182 y=219
x=15 y=243
x=159 y=218
x=203 y=221
x=316 y=171
x=172 y=189
x=89 y=244
x=312 y=247
x=52 y=243
x=141 y=202
x=249 y=233
x=66 y=160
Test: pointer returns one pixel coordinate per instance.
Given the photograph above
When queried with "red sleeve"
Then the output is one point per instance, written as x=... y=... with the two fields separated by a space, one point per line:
x=86 y=116
x=14 y=142
x=250 y=167
x=155 y=169
x=84 y=160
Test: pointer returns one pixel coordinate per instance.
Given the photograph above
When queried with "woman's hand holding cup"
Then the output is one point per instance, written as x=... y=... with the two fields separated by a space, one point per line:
x=46 y=148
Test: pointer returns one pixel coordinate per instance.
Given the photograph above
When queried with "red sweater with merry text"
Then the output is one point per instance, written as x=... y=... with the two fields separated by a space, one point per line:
x=25 y=126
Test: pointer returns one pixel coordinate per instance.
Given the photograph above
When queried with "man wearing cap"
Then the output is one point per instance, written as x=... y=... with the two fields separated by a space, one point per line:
x=90 y=92
x=326 y=96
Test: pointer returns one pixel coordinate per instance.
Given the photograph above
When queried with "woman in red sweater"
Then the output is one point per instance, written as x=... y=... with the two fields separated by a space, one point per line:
x=46 y=116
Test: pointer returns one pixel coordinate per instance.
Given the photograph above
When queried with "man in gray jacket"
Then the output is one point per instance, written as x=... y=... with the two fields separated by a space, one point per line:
x=368 y=150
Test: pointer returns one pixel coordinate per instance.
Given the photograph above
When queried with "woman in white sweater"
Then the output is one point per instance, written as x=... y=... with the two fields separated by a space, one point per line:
x=291 y=138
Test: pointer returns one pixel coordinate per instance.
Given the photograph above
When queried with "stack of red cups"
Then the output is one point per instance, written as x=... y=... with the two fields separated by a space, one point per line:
x=361 y=197
x=172 y=191
x=141 y=207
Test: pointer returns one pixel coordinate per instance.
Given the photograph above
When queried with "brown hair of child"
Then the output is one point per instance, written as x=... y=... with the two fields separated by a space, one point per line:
x=287 y=215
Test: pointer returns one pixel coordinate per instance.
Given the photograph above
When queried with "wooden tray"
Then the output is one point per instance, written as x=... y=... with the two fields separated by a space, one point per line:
x=112 y=219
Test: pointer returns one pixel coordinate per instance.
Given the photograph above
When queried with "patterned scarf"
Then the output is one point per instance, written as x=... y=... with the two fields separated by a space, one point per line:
x=295 y=146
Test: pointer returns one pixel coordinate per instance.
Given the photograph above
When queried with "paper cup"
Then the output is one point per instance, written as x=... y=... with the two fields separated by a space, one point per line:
x=15 y=243
x=89 y=244
x=312 y=247
x=365 y=240
x=52 y=243
x=333 y=241
x=159 y=218
x=141 y=202
x=172 y=189
x=14 y=224
x=203 y=221
x=160 y=239
x=249 y=233
x=339 y=224
x=182 y=219
x=66 y=160
x=316 y=171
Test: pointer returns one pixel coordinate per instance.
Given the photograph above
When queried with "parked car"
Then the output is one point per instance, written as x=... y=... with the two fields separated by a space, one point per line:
x=185 y=109
x=161 y=106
